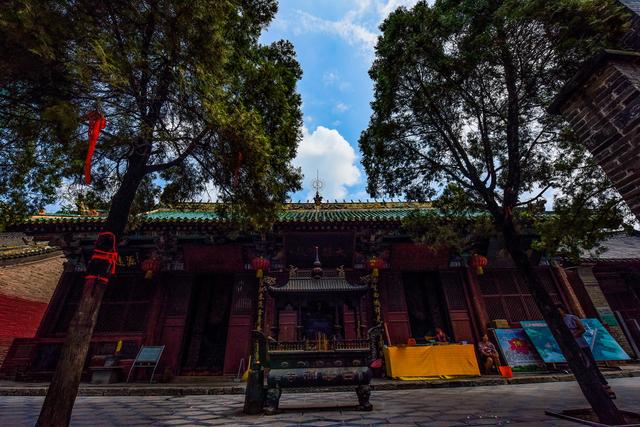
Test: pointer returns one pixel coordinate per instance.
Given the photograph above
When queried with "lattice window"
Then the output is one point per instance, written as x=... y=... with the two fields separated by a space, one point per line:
x=125 y=305
x=508 y=296
x=495 y=310
x=244 y=293
x=488 y=284
x=508 y=284
x=454 y=291
x=515 y=308
x=532 y=308
x=547 y=281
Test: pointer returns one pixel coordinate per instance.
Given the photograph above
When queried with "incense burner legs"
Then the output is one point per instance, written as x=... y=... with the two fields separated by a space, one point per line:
x=364 y=392
x=272 y=401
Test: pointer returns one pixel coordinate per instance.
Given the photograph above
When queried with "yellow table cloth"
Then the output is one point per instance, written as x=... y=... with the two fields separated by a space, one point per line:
x=425 y=362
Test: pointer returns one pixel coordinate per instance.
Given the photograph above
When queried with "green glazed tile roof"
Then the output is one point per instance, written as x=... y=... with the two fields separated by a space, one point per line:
x=292 y=212
x=325 y=215
x=177 y=215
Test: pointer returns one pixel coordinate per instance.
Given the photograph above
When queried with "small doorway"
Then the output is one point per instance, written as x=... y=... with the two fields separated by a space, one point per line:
x=207 y=327
x=425 y=304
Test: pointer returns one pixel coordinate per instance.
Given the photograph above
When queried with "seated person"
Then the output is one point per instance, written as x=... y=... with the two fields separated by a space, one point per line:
x=489 y=354
x=440 y=336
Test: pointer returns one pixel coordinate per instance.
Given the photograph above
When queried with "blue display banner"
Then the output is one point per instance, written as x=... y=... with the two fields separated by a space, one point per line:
x=603 y=346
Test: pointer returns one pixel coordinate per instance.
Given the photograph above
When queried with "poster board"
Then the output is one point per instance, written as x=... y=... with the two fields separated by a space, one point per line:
x=516 y=350
x=147 y=357
x=540 y=335
x=602 y=344
x=149 y=354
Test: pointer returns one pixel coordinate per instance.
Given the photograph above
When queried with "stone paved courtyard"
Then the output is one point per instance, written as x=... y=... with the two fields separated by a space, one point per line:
x=522 y=405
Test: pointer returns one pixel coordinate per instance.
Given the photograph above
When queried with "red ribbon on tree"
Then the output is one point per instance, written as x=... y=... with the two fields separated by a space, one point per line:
x=105 y=253
x=97 y=122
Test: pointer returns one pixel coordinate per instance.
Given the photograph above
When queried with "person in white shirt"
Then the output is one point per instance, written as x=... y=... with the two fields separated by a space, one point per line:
x=577 y=328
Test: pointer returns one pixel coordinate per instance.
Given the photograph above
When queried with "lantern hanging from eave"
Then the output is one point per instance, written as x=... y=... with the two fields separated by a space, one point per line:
x=375 y=264
x=478 y=262
x=260 y=264
x=150 y=266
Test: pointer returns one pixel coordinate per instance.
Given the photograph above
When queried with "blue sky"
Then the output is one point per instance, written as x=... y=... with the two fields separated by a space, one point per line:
x=334 y=41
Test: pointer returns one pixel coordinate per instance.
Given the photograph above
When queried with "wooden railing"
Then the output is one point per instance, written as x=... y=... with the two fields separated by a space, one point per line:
x=313 y=345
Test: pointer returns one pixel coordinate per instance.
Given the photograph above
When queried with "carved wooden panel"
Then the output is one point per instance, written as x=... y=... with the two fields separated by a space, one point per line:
x=349 y=320
x=288 y=321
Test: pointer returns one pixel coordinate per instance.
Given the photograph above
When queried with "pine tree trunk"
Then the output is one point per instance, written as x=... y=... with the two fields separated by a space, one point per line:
x=58 y=404
x=586 y=374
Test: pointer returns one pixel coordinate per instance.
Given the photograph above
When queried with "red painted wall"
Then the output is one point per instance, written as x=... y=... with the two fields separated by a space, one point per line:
x=19 y=318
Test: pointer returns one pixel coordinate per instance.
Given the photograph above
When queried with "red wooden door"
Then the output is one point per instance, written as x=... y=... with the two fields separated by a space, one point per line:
x=175 y=319
x=394 y=307
x=240 y=323
x=458 y=305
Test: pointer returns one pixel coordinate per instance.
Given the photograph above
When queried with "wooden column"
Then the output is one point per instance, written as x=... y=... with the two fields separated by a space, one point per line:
x=565 y=286
x=477 y=301
x=155 y=310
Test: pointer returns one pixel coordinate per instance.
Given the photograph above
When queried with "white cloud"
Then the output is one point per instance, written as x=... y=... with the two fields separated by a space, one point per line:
x=330 y=78
x=326 y=152
x=358 y=26
x=333 y=79
x=341 y=107
x=353 y=33
x=385 y=8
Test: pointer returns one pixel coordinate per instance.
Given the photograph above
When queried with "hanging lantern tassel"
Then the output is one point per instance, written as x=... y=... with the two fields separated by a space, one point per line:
x=150 y=266
x=97 y=122
x=479 y=262
x=259 y=264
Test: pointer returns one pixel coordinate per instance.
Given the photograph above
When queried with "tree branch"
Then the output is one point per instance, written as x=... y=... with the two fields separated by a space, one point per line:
x=182 y=156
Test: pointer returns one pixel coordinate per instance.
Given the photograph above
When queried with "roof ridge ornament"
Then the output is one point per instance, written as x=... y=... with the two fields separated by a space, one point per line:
x=317 y=266
x=293 y=271
x=317 y=184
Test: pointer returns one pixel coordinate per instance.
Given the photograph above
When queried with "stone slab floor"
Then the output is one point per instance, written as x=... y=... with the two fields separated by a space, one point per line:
x=521 y=405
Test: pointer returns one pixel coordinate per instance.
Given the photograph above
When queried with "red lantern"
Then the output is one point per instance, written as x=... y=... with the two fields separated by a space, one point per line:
x=478 y=262
x=150 y=266
x=375 y=264
x=259 y=264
